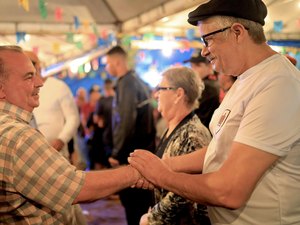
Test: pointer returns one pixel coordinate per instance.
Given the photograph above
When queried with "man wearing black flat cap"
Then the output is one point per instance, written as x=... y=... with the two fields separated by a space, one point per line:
x=209 y=100
x=251 y=168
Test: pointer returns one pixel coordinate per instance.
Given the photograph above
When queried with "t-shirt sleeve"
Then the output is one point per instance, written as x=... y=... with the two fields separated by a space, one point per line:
x=42 y=174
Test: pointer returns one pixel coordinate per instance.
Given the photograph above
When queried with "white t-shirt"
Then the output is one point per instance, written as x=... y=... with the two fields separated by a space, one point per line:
x=57 y=115
x=262 y=109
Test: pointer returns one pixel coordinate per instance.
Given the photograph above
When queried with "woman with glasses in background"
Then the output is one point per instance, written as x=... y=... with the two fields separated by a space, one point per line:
x=177 y=96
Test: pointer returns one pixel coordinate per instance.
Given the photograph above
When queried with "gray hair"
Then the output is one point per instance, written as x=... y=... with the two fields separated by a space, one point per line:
x=188 y=80
x=3 y=69
x=255 y=30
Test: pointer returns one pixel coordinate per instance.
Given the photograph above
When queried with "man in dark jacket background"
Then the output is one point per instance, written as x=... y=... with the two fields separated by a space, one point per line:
x=133 y=127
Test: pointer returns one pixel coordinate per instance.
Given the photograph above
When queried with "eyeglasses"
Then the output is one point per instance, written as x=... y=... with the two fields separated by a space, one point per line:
x=158 y=88
x=203 y=38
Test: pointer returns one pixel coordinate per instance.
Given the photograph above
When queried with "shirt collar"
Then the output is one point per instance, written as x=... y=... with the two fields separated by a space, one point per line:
x=15 y=111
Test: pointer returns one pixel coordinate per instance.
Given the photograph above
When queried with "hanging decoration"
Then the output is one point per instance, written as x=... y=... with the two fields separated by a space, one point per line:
x=95 y=64
x=86 y=26
x=43 y=9
x=185 y=45
x=112 y=38
x=35 y=50
x=58 y=14
x=24 y=4
x=93 y=39
x=101 y=42
x=148 y=36
x=76 y=22
x=70 y=37
x=95 y=29
x=104 y=34
x=79 y=45
x=56 y=48
x=20 y=36
x=126 y=40
x=190 y=34
x=278 y=26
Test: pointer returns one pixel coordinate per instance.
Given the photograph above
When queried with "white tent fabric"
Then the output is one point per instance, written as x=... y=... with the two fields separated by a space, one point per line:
x=132 y=17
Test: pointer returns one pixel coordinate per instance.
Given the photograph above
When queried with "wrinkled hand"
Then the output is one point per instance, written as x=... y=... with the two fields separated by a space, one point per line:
x=149 y=165
x=57 y=144
x=144 y=184
x=113 y=162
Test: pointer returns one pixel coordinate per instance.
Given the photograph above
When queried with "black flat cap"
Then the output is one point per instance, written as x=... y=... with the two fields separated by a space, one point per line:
x=254 y=10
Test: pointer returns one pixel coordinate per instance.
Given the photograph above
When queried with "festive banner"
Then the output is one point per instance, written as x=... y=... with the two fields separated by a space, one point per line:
x=93 y=38
x=126 y=40
x=24 y=4
x=101 y=42
x=56 y=48
x=58 y=14
x=43 y=9
x=79 y=45
x=190 y=34
x=76 y=22
x=95 y=29
x=148 y=36
x=70 y=37
x=104 y=34
x=35 y=50
x=86 y=26
x=20 y=36
x=278 y=26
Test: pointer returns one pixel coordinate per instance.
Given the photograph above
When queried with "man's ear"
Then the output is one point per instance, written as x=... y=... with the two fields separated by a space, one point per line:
x=2 y=92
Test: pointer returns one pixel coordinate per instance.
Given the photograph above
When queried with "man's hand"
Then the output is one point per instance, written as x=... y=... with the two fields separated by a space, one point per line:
x=149 y=165
x=144 y=184
x=113 y=162
x=57 y=144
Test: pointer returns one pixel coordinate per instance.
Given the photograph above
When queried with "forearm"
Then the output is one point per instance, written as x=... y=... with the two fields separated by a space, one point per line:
x=205 y=189
x=99 y=184
x=189 y=163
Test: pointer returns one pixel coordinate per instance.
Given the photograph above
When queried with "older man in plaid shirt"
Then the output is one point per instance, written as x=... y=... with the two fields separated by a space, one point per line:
x=37 y=184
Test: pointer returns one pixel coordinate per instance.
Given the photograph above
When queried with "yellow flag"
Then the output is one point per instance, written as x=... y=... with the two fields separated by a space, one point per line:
x=56 y=48
x=24 y=4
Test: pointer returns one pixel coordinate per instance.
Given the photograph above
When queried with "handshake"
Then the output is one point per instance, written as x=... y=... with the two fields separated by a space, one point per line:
x=148 y=169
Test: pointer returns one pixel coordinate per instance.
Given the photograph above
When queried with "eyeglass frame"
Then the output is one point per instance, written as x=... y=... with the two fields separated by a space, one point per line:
x=212 y=33
x=159 y=88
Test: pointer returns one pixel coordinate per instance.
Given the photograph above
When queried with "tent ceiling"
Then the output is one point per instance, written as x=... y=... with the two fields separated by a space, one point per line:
x=117 y=16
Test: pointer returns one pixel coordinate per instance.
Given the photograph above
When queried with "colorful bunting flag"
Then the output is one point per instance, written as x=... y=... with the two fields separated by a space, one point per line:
x=70 y=37
x=20 y=36
x=35 y=50
x=79 y=45
x=56 y=48
x=76 y=22
x=58 y=14
x=24 y=4
x=278 y=26
x=86 y=25
x=190 y=34
x=93 y=38
x=43 y=9
x=95 y=29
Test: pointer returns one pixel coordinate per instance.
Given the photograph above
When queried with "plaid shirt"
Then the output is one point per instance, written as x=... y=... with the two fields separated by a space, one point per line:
x=36 y=183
